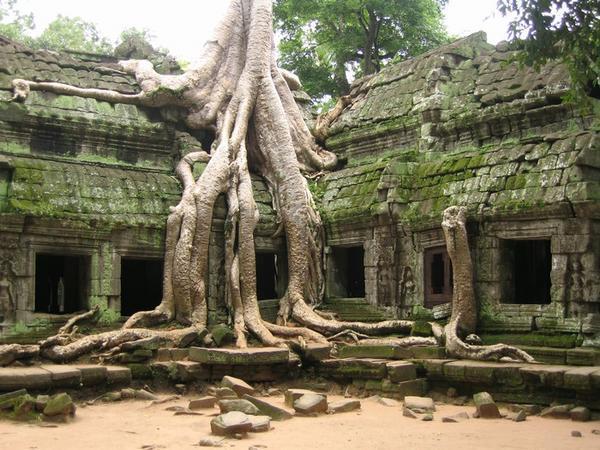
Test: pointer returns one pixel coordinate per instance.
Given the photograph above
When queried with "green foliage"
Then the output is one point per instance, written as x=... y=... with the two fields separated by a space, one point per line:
x=568 y=30
x=14 y=24
x=108 y=316
x=324 y=41
x=73 y=33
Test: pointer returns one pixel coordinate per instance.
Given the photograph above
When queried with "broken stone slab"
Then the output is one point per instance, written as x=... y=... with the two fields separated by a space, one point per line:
x=389 y=402
x=260 y=423
x=238 y=404
x=580 y=414
x=91 y=374
x=519 y=416
x=311 y=404
x=530 y=410
x=33 y=378
x=60 y=405
x=456 y=418
x=291 y=395
x=240 y=387
x=231 y=423
x=576 y=433
x=210 y=442
x=246 y=356
x=342 y=406
x=407 y=412
x=419 y=404
x=427 y=417
x=353 y=368
x=143 y=394
x=401 y=371
x=485 y=406
x=205 y=402
x=274 y=412
x=557 y=412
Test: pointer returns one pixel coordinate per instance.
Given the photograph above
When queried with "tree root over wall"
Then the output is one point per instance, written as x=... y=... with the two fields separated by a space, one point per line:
x=238 y=91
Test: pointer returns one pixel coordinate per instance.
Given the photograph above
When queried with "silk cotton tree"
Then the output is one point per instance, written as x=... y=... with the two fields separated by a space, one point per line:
x=238 y=91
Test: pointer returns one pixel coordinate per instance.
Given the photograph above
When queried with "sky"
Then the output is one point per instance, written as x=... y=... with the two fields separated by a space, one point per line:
x=185 y=25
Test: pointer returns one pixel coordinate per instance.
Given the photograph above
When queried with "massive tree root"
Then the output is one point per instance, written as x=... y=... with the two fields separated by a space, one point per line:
x=238 y=91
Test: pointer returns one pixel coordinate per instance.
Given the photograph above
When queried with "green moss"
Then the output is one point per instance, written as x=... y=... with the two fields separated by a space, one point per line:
x=535 y=339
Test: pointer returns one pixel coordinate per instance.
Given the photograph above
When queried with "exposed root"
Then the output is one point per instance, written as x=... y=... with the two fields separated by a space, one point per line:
x=12 y=352
x=91 y=315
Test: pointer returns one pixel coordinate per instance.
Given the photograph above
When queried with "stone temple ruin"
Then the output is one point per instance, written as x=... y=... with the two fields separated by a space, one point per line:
x=86 y=185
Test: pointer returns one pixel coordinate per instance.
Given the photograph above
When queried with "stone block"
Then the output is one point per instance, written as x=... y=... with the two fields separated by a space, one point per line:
x=547 y=355
x=179 y=354
x=428 y=352
x=342 y=406
x=291 y=395
x=374 y=351
x=415 y=387
x=163 y=354
x=231 y=423
x=191 y=371
x=583 y=357
x=580 y=414
x=32 y=378
x=273 y=411
x=485 y=406
x=240 y=387
x=238 y=404
x=203 y=402
x=419 y=404
x=311 y=404
x=91 y=375
x=248 y=356
x=314 y=352
x=401 y=371
x=550 y=376
x=579 y=379
x=435 y=368
x=351 y=368
x=64 y=376
x=116 y=375
x=260 y=424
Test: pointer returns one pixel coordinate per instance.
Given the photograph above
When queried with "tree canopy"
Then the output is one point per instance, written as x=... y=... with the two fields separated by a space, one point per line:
x=324 y=41
x=568 y=30
x=73 y=33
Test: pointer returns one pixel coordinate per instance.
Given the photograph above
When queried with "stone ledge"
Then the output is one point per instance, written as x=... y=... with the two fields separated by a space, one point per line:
x=248 y=356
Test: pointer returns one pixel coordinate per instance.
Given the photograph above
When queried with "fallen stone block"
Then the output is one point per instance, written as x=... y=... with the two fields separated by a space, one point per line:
x=407 y=412
x=519 y=416
x=260 y=423
x=342 y=406
x=63 y=376
x=231 y=423
x=274 y=412
x=240 y=387
x=225 y=392
x=419 y=404
x=460 y=417
x=389 y=402
x=203 y=402
x=291 y=395
x=238 y=404
x=580 y=414
x=557 y=412
x=311 y=404
x=485 y=406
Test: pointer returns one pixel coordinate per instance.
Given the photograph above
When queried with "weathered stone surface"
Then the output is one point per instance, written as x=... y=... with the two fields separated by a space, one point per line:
x=485 y=406
x=240 y=387
x=202 y=402
x=63 y=376
x=291 y=395
x=91 y=374
x=60 y=405
x=13 y=378
x=231 y=423
x=225 y=392
x=557 y=412
x=407 y=412
x=419 y=404
x=238 y=404
x=260 y=424
x=580 y=414
x=274 y=412
x=210 y=442
x=248 y=356
x=342 y=406
x=517 y=416
x=118 y=375
x=311 y=404
x=353 y=368
x=401 y=371
x=314 y=352
x=389 y=402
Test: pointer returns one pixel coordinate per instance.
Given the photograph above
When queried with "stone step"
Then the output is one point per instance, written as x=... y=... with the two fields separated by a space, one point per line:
x=235 y=356
x=391 y=352
x=53 y=376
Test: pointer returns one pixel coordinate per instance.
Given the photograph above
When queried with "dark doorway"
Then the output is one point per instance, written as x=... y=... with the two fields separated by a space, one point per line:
x=266 y=276
x=527 y=265
x=61 y=283
x=438 y=276
x=347 y=272
x=141 y=284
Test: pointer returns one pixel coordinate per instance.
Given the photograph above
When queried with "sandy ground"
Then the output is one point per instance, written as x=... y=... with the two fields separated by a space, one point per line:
x=135 y=425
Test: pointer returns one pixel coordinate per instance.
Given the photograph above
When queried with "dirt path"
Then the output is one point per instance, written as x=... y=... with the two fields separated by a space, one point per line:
x=133 y=425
